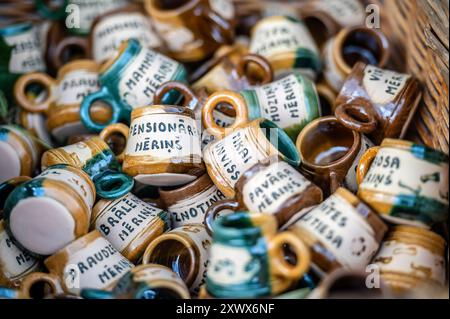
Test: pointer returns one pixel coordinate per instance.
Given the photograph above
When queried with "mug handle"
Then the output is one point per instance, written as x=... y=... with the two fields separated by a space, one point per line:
x=70 y=42
x=261 y=62
x=281 y=268
x=35 y=277
x=364 y=163
x=112 y=185
x=120 y=128
x=20 y=91
x=50 y=13
x=344 y=115
x=101 y=95
x=335 y=182
x=190 y=100
x=215 y=209
x=235 y=100
x=213 y=26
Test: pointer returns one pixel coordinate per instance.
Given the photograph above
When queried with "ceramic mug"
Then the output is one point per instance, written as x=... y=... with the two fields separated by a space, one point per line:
x=189 y=203
x=113 y=27
x=385 y=100
x=86 y=10
x=325 y=18
x=405 y=183
x=148 y=281
x=88 y=262
x=271 y=187
x=129 y=80
x=129 y=224
x=51 y=210
x=228 y=158
x=98 y=161
x=247 y=257
x=19 y=152
x=163 y=147
x=74 y=82
x=290 y=103
x=234 y=71
x=35 y=124
x=341 y=232
x=330 y=152
x=192 y=29
x=15 y=263
x=186 y=251
x=351 y=45
x=411 y=257
x=287 y=44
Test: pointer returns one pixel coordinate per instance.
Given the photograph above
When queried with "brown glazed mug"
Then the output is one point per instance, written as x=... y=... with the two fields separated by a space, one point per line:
x=270 y=187
x=63 y=47
x=75 y=80
x=110 y=29
x=351 y=45
x=330 y=153
x=188 y=204
x=88 y=262
x=40 y=285
x=163 y=146
x=234 y=71
x=342 y=232
x=186 y=251
x=324 y=18
x=378 y=102
x=192 y=29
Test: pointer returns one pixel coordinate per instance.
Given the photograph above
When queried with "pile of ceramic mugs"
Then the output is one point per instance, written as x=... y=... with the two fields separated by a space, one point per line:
x=163 y=149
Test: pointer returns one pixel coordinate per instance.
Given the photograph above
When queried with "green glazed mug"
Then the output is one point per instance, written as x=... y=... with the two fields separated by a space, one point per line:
x=291 y=103
x=129 y=80
x=247 y=258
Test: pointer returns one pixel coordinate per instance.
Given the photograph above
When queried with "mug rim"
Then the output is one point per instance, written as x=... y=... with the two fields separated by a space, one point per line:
x=313 y=125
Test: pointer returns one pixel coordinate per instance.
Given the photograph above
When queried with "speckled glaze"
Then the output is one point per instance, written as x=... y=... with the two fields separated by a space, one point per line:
x=387 y=101
x=150 y=281
x=74 y=81
x=247 y=257
x=349 y=46
x=23 y=152
x=228 y=158
x=95 y=158
x=129 y=80
x=405 y=183
x=189 y=203
x=15 y=263
x=88 y=262
x=287 y=44
x=129 y=224
x=341 y=232
x=163 y=147
x=67 y=188
x=113 y=27
x=329 y=154
x=290 y=103
x=186 y=251
x=411 y=257
x=193 y=29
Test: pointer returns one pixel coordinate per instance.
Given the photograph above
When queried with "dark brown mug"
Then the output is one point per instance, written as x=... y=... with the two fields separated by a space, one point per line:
x=272 y=187
x=329 y=154
x=378 y=102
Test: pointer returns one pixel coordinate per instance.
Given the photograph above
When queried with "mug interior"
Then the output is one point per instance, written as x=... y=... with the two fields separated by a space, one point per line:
x=174 y=254
x=281 y=141
x=361 y=46
x=169 y=4
x=326 y=143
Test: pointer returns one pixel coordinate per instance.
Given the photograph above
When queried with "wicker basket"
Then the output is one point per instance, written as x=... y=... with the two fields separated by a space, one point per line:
x=418 y=32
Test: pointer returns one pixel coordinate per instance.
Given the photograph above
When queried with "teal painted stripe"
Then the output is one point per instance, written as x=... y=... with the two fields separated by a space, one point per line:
x=419 y=208
x=307 y=59
x=253 y=105
x=15 y=29
x=428 y=154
